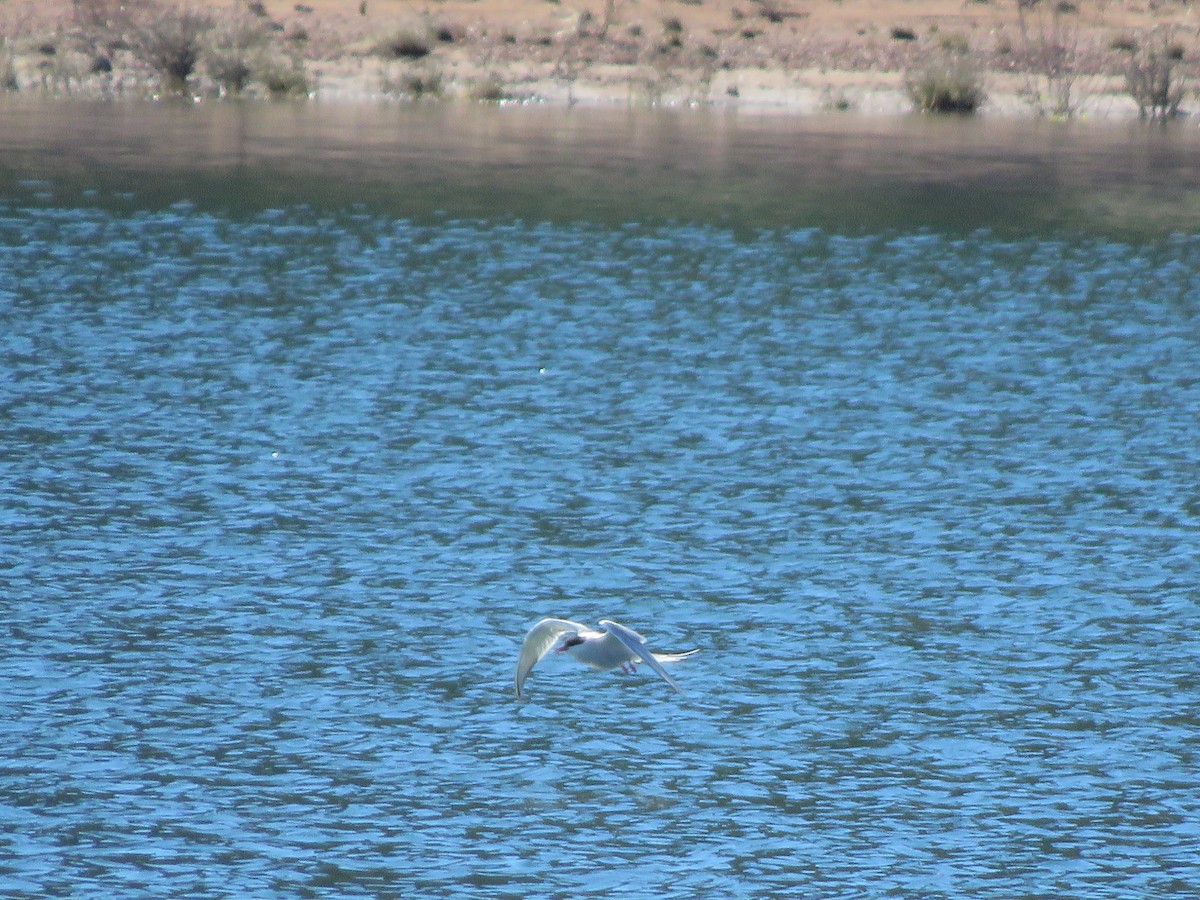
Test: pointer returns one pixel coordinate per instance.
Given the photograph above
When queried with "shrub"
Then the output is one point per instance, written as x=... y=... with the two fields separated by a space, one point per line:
x=282 y=80
x=1154 y=84
x=951 y=84
x=416 y=85
x=8 y=73
x=406 y=43
x=672 y=35
x=903 y=34
x=1123 y=43
x=489 y=90
x=230 y=60
x=773 y=12
x=1051 y=53
x=171 y=45
x=229 y=70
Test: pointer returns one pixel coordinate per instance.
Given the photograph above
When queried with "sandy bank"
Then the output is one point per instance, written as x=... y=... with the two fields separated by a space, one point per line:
x=1045 y=58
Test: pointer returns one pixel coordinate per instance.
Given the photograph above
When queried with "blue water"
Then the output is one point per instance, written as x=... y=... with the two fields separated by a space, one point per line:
x=281 y=491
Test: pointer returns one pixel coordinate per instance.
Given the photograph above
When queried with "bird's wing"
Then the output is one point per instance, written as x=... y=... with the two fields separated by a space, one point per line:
x=633 y=641
x=675 y=657
x=538 y=641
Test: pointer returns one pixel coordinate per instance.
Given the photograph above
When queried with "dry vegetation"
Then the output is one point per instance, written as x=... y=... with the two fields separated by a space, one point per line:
x=1048 y=57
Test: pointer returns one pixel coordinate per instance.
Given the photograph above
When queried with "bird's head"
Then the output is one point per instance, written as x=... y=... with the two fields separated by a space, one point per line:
x=572 y=641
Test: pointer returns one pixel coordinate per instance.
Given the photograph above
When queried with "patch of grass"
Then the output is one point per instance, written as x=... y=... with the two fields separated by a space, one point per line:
x=953 y=42
x=108 y=21
x=950 y=84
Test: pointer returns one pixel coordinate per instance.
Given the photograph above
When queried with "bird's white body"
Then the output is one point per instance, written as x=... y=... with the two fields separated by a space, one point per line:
x=613 y=646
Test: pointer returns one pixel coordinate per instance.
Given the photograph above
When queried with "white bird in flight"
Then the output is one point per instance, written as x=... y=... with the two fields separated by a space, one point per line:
x=611 y=647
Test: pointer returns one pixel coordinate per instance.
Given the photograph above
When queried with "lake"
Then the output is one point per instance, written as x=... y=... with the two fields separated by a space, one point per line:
x=309 y=413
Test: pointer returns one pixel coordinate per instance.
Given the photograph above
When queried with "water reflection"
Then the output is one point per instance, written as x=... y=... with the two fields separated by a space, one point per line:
x=610 y=165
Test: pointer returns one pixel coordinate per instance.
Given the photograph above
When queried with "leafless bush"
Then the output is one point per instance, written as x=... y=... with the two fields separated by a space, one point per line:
x=1050 y=34
x=8 y=71
x=1154 y=80
x=109 y=24
x=107 y=15
x=234 y=52
x=171 y=43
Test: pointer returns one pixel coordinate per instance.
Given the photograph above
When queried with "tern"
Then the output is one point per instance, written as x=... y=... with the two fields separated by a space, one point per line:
x=613 y=646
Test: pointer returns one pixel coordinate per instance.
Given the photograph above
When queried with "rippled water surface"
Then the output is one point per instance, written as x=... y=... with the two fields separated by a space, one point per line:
x=284 y=485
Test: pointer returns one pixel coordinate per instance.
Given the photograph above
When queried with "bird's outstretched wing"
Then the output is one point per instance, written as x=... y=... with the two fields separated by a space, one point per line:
x=633 y=641
x=675 y=657
x=538 y=641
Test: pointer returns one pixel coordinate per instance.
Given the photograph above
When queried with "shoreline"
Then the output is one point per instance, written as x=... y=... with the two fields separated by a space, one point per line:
x=850 y=57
